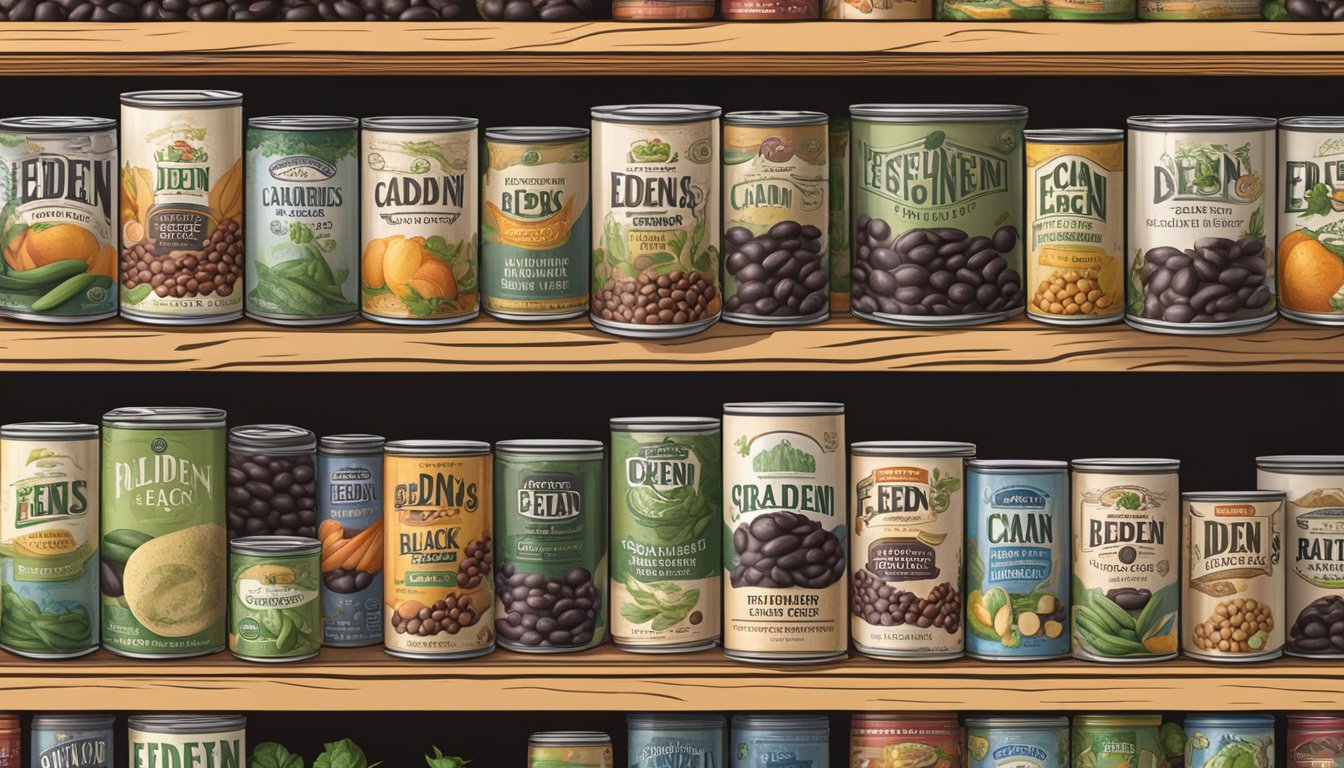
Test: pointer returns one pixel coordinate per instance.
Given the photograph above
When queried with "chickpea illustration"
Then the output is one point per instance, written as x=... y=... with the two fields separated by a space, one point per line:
x=1073 y=292
x=1236 y=626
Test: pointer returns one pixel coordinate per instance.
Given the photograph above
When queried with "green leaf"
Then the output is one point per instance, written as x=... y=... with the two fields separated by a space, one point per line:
x=343 y=754
x=440 y=760
x=636 y=614
x=934 y=140
x=270 y=754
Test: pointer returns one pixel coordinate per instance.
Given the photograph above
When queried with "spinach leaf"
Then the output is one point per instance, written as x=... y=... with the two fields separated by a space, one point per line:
x=270 y=754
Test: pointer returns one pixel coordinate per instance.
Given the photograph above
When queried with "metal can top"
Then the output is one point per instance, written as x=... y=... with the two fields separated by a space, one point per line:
x=1015 y=466
x=1228 y=721
x=783 y=409
x=1313 y=720
x=187 y=98
x=1234 y=496
x=570 y=449
x=783 y=722
x=350 y=444
x=684 y=722
x=420 y=123
x=171 y=417
x=562 y=738
x=769 y=117
x=437 y=448
x=1133 y=719
x=304 y=123
x=655 y=114
x=1313 y=123
x=269 y=437
x=695 y=424
x=900 y=719
x=1126 y=466
x=1075 y=135
x=1200 y=123
x=1021 y=723
x=275 y=545
x=49 y=430
x=1307 y=465
x=911 y=448
x=948 y=113
x=57 y=124
x=535 y=134
x=161 y=723
x=50 y=721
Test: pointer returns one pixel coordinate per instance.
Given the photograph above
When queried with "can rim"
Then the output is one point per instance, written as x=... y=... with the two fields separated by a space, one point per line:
x=1313 y=122
x=349 y=443
x=272 y=436
x=780 y=117
x=1218 y=718
x=274 y=545
x=551 y=447
x=61 y=720
x=955 y=113
x=154 y=722
x=655 y=114
x=180 y=98
x=580 y=738
x=177 y=416
x=420 y=123
x=1029 y=466
x=784 y=408
x=528 y=134
x=919 y=717
x=782 y=722
x=1126 y=465
x=304 y=123
x=49 y=430
x=1125 y=718
x=675 y=720
x=58 y=123
x=911 y=448
x=1256 y=495
x=1305 y=463
x=1017 y=722
x=436 y=447
x=1201 y=122
x=664 y=424
x=1075 y=135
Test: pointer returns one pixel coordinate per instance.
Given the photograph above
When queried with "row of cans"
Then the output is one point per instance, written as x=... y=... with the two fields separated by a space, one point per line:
x=153 y=740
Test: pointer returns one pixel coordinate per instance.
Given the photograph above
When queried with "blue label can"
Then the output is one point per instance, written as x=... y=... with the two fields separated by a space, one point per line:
x=676 y=741
x=1017 y=559
x=72 y=741
x=350 y=502
x=1017 y=742
x=780 y=741
x=1212 y=741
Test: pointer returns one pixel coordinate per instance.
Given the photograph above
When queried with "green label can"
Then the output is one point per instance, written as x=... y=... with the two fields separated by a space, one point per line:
x=187 y=741
x=989 y=10
x=274 y=610
x=666 y=540
x=164 y=544
x=1117 y=741
x=1090 y=10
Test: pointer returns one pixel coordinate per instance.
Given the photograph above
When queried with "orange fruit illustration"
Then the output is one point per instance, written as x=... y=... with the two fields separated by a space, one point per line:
x=1309 y=273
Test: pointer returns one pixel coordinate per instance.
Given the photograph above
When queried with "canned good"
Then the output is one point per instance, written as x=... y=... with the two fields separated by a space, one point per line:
x=535 y=223
x=1212 y=740
x=182 y=206
x=67 y=741
x=1126 y=590
x=906 y=539
x=877 y=10
x=572 y=749
x=655 y=219
x=11 y=742
x=164 y=544
x=350 y=503
x=937 y=210
x=1314 y=596
x=272 y=485
x=56 y=229
x=837 y=230
x=1205 y=10
x=1090 y=10
x=989 y=10
x=49 y=539
x=775 y=185
x=1039 y=742
x=1075 y=225
x=303 y=219
x=666 y=533
x=1310 y=265
x=1117 y=741
x=662 y=10
x=551 y=514
x=171 y=741
x=419 y=220
x=1299 y=10
x=668 y=741
x=274 y=610
x=438 y=555
x=1199 y=238
x=784 y=501
x=769 y=10
x=1017 y=561
x=762 y=741
x=1315 y=741
x=894 y=741
x=1234 y=585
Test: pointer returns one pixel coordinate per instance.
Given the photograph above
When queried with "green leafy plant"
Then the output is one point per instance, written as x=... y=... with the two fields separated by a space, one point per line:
x=1129 y=500
x=941 y=488
x=298 y=280
x=271 y=754
x=440 y=760
x=328 y=146
x=663 y=603
x=343 y=754
x=784 y=458
x=1318 y=200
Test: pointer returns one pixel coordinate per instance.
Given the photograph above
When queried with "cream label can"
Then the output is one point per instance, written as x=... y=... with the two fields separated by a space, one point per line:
x=877 y=10
x=1207 y=10
x=180 y=741
x=1311 y=219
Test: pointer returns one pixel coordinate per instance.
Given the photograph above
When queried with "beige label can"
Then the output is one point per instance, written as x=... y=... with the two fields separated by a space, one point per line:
x=906 y=542
x=187 y=741
x=877 y=10
x=1234 y=585
x=784 y=501
x=1311 y=219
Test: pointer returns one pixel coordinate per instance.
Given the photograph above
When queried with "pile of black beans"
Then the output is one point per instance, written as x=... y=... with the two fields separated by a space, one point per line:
x=786 y=549
x=1315 y=10
x=883 y=605
x=271 y=495
x=535 y=10
x=1319 y=628
x=781 y=273
x=236 y=10
x=1218 y=280
x=547 y=611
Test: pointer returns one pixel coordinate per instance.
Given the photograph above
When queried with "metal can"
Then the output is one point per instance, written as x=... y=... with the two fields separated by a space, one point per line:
x=572 y=749
x=1235 y=738
x=762 y=741
x=1076 y=225
x=989 y=10
x=275 y=613
x=182 y=206
x=905 y=544
x=1017 y=560
x=937 y=190
x=775 y=185
x=1038 y=742
x=303 y=219
x=1310 y=265
x=877 y=10
x=655 y=219
x=173 y=741
x=1117 y=741
x=57 y=233
x=11 y=742
x=784 y=500
x=437 y=548
x=49 y=539
x=1200 y=231
x=666 y=533
x=164 y=546
x=272 y=483
x=837 y=231
x=662 y=10
x=551 y=516
x=535 y=223
x=895 y=740
x=1233 y=605
x=1314 y=595
x=419 y=220
x=349 y=503
x=1199 y=10
x=1315 y=740
x=769 y=10
x=1091 y=10
x=674 y=741
x=67 y=741
x=1126 y=556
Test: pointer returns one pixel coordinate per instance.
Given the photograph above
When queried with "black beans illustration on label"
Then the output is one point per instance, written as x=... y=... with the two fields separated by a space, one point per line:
x=653 y=299
x=1217 y=280
x=1315 y=10
x=1129 y=598
x=777 y=550
x=271 y=495
x=451 y=614
x=933 y=271
x=881 y=604
x=535 y=10
x=547 y=611
x=1319 y=627
x=781 y=273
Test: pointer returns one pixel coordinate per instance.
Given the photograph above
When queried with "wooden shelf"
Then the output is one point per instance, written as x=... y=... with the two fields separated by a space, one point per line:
x=606 y=47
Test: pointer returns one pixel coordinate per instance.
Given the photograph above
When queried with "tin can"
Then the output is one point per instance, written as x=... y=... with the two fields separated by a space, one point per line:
x=572 y=749
x=1234 y=585
x=1126 y=555
x=906 y=539
x=989 y=10
x=666 y=533
x=1314 y=596
x=1315 y=740
x=1039 y=742
x=1091 y=10
x=303 y=219
x=784 y=499
x=762 y=741
x=171 y=741
x=1247 y=739
x=49 y=539
x=662 y=10
x=11 y=742
x=275 y=613
x=1017 y=560
x=837 y=231
x=67 y=741
x=1117 y=741
x=1199 y=10
x=669 y=741
x=182 y=206
x=272 y=483
x=419 y=220
x=1299 y=10
x=57 y=233
x=164 y=546
x=898 y=740
x=350 y=502
x=769 y=10
x=1076 y=225
x=1200 y=232
x=877 y=10
x=775 y=185
x=655 y=219
x=551 y=514
x=438 y=554
x=1310 y=265
x=535 y=223
x=918 y=222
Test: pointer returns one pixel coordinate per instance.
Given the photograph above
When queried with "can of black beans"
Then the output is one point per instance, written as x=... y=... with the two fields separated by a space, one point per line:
x=272 y=485
x=350 y=506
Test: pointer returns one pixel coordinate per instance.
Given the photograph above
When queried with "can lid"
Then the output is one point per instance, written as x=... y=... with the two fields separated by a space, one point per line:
x=182 y=99
x=420 y=123
x=1018 y=722
x=162 y=723
x=73 y=721
x=925 y=719
x=275 y=545
x=685 y=722
x=1309 y=465
x=911 y=448
x=271 y=436
x=49 y=430
x=1316 y=720
x=1133 y=719
x=533 y=134
x=1201 y=123
x=783 y=408
x=1230 y=721
x=1126 y=466
x=664 y=424
x=151 y=417
x=953 y=113
x=9 y=722
x=561 y=738
x=1234 y=496
x=782 y=722
x=1075 y=135
x=1313 y=122
x=768 y=117
x=655 y=114
x=1005 y=466
x=57 y=124
x=304 y=123
x=579 y=449
x=350 y=444
x=437 y=447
